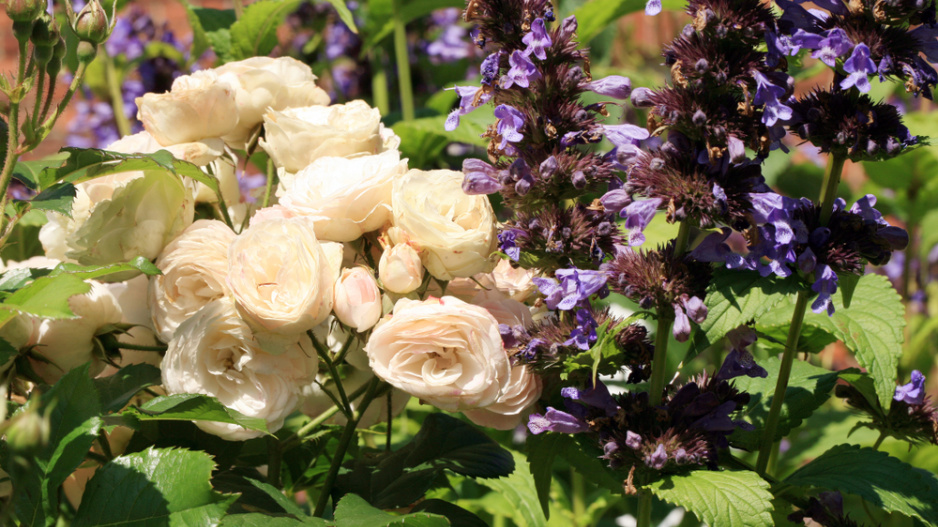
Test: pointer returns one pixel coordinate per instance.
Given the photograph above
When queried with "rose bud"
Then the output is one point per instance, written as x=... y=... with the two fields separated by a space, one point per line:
x=400 y=269
x=357 y=299
x=25 y=10
x=91 y=24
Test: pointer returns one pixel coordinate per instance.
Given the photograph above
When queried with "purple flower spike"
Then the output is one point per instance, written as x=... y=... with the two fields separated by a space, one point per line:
x=480 y=177
x=489 y=68
x=835 y=44
x=522 y=71
x=554 y=420
x=824 y=286
x=637 y=216
x=658 y=458
x=615 y=86
x=653 y=7
x=537 y=40
x=914 y=392
x=625 y=135
x=860 y=66
x=510 y=122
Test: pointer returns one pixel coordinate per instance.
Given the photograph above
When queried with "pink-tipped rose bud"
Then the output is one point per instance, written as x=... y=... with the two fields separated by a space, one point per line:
x=357 y=299
x=400 y=269
x=91 y=24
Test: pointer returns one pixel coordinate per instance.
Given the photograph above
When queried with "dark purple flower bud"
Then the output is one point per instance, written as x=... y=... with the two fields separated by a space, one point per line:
x=860 y=66
x=736 y=149
x=819 y=236
x=489 y=68
x=579 y=179
x=740 y=362
x=633 y=440
x=480 y=177
x=659 y=457
x=695 y=309
x=825 y=285
x=638 y=215
x=653 y=7
x=616 y=200
x=510 y=122
x=537 y=40
x=597 y=397
x=699 y=118
x=625 y=135
x=641 y=97
x=896 y=237
x=615 y=86
x=912 y=393
x=609 y=449
x=681 y=327
x=713 y=248
x=864 y=208
x=568 y=28
x=522 y=71
x=835 y=44
x=554 y=420
x=549 y=167
x=807 y=261
x=522 y=187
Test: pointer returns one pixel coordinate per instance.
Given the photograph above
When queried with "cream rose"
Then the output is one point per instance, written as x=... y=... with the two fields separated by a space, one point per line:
x=194 y=266
x=263 y=83
x=296 y=137
x=281 y=277
x=442 y=350
x=345 y=198
x=523 y=390
x=357 y=299
x=199 y=106
x=215 y=353
x=455 y=232
x=400 y=269
x=200 y=152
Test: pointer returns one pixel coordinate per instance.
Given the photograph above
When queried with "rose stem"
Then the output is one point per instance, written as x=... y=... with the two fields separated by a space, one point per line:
x=835 y=165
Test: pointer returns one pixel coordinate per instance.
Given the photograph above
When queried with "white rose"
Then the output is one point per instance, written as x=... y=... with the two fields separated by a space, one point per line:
x=507 y=412
x=400 y=269
x=194 y=267
x=517 y=283
x=455 y=232
x=281 y=277
x=117 y=218
x=199 y=106
x=215 y=353
x=345 y=198
x=68 y=343
x=442 y=350
x=131 y=296
x=263 y=83
x=357 y=299
x=296 y=137
x=200 y=152
x=505 y=310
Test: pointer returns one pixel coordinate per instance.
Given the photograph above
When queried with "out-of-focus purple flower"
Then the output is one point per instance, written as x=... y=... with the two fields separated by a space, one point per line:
x=860 y=66
x=510 y=122
x=615 y=86
x=825 y=285
x=653 y=7
x=480 y=177
x=638 y=215
x=555 y=420
x=912 y=393
x=522 y=71
x=633 y=440
x=470 y=98
x=625 y=135
x=450 y=45
x=537 y=40
x=658 y=458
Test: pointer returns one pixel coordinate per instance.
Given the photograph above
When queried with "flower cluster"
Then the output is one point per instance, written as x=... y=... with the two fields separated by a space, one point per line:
x=911 y=416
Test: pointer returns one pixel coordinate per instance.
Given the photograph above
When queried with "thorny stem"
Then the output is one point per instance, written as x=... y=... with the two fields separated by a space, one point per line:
x=13 y=137
x=835 y=165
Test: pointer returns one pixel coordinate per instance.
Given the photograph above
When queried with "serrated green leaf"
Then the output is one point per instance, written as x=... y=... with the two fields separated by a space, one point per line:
x=45 y=297
x=210 y=29
x=863 y=383
x=88 y=272
x=808 y=388
x=14 y=279
x=872 y=328
x=287 y=504
x=255 y=33
x=193 y=407
x=353 y=511
x=812 y=339
x=542 y=450
x=847 y=284
x=256 y=519
x=521 y=492
x=115 y=391
x=736 y=297
x=876 y=477
x=344 y=14
x=737 y=498
x=153 y=487
x=56 y=198
x=29 y=172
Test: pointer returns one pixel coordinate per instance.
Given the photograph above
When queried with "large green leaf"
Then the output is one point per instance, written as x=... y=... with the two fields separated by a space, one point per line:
x=353 y=511
x=596 y=15
x=737 y=498
x=521 y=492
x=542 y=450
x=735 y=298
x=255 y=33
x=87 y=272
x=808 y=388
x=46 y=297
x=256 y=519
x=876 y=477
x=193 y=407
x=57 y=198
x=344 y=14
x=210 y=29
x=452 y=444
x=153 y=487
x=115 y=391
x=872 y=328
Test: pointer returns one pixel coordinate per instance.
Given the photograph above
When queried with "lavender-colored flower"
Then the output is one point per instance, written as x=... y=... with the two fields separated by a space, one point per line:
x=825 y=285
x=834 y=44
x=537 y=40
x=480 y=177
x=912 y=393
x=658 y=458
x=507 y=243
x=489 y=68
x=653 y=7
x=638 y=215
x=768 y=94
x=615 y=200
x=633 y=440
x=510 y=122
x=860 y=66
x=615 y=86
x=470 y=98
x=625 y=135
x=554 y=420
x=522 y=71
x=575 y=287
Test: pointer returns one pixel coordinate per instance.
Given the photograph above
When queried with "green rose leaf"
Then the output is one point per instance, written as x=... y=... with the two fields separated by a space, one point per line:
x=738 y=498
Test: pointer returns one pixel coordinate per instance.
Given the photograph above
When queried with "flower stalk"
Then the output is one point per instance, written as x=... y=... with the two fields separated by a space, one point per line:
x=403 y=65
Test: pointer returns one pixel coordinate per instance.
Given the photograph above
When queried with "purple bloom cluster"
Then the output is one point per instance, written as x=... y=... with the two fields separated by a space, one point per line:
x=910 y=417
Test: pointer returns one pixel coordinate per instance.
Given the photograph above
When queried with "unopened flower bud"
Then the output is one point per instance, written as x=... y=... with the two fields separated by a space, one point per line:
x=86 y=51
x=91 y=24
x=400 y=269
x=25 y=10
x=357 y=299
x=55 y=64
x=28 y=433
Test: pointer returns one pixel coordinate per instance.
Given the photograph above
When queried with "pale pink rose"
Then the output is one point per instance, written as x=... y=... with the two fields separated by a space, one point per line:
x=273 y=212
x=357 y=299
x=507 y=412
x=506 y=310
x=517 y=283
x=400 y=269
x=442 y=350
x=199 y=106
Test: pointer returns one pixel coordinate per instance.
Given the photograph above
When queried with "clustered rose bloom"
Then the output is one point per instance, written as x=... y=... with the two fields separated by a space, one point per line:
x=348 y=255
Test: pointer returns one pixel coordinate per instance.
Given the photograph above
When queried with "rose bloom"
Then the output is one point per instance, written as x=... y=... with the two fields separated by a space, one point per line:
x=199 y=106
x=281 y=277
x=263 y=83
x=194 y=266
x=442 y=350
x=455 y=232
x=400 y=269
x=345 y=198
x=357 y=299
x=215 y=353
x=509 y=410
x=200 y=152
x=296 y=137
x=517 y=283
